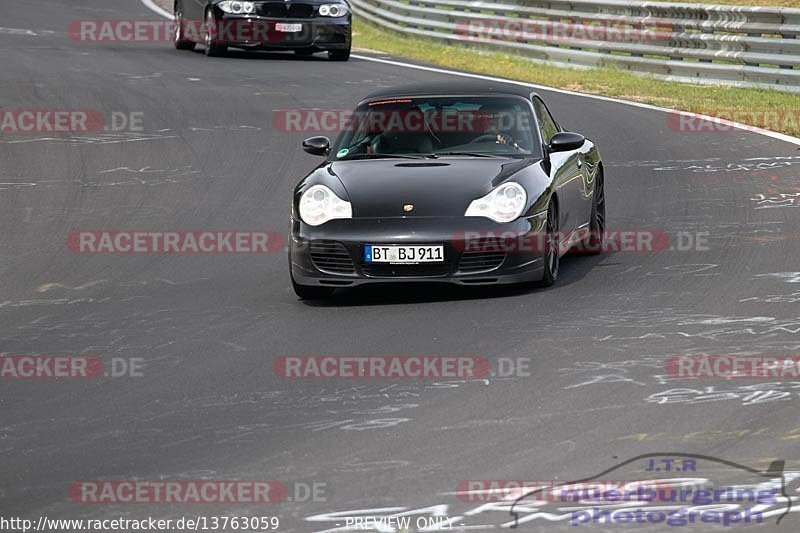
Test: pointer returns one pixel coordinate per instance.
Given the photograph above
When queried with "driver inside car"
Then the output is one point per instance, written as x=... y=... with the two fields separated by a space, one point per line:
x=500 y=126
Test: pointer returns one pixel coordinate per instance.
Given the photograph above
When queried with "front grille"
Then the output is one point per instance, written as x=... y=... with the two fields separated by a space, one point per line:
x=480 y=256
x=331 y=256
x=301 y=11
x=285 y=10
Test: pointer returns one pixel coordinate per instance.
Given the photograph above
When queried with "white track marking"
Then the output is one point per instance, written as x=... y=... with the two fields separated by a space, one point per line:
x=152 y=5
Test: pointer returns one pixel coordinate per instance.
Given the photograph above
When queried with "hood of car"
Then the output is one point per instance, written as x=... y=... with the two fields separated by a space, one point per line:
x=420 y=188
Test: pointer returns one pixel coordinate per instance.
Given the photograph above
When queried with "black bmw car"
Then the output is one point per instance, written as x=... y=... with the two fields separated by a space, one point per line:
x=304 y=26
x=470 y=184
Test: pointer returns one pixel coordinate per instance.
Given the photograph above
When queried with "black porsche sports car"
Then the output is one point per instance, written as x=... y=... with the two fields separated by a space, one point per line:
x=468 y=183
x=305 y=26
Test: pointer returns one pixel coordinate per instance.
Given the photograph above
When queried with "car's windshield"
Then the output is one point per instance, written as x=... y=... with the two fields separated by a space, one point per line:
x=490 y=126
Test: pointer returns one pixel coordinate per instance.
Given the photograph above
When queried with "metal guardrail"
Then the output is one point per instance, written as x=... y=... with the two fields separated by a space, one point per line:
x=744 y=46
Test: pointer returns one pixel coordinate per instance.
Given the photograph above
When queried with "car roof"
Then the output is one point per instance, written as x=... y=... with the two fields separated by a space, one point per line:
x=486 y=88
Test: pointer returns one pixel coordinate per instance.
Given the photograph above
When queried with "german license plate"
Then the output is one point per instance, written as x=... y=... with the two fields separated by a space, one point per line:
x=288 y=28
x=403 y=254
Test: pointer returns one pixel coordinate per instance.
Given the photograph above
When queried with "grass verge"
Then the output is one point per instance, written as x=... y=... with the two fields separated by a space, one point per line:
x=750 y=105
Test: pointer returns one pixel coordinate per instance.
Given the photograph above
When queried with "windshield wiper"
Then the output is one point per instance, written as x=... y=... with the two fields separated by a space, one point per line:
x=380 y=156
x=472 y=154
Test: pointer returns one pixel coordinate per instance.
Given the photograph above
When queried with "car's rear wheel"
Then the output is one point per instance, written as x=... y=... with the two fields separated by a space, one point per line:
x=311 y=292
x=213 y=48
x=552 y=257
x=596 y=240
x=339 y=55
x=179 y=36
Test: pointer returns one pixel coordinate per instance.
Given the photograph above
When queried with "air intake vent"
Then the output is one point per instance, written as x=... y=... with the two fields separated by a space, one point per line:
x=331 y=256
x=482 y=259
x=423 y=270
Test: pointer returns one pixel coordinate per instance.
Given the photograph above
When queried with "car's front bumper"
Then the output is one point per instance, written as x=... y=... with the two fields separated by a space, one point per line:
x=332 y=254
x=253 y=31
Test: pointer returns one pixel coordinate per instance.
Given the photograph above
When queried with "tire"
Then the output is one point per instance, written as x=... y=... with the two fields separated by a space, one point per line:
x=339 y=55
x=594 y=244
x=213 y=49
x=179 y=38
x=311 y=292
x=552 y=257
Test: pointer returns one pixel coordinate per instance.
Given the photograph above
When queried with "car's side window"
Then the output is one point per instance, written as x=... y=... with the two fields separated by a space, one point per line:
x=547 y=124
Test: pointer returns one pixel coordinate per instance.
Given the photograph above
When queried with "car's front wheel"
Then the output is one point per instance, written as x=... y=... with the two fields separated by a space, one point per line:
x=311 y=292
x=179 y=36
x=595 y=242
x=213 y=48
x=551 y=246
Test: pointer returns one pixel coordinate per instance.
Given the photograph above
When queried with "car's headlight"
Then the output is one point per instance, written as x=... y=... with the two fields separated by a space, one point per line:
x=504 y=204
x=319 y=204
x=333 y=10
x=237 y=7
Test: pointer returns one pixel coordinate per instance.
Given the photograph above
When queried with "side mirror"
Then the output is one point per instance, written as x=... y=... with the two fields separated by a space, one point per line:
x=317 y=145
x=566 y=141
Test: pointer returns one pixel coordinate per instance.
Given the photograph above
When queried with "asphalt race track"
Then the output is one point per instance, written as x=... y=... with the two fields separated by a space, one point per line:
x=207 y=328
